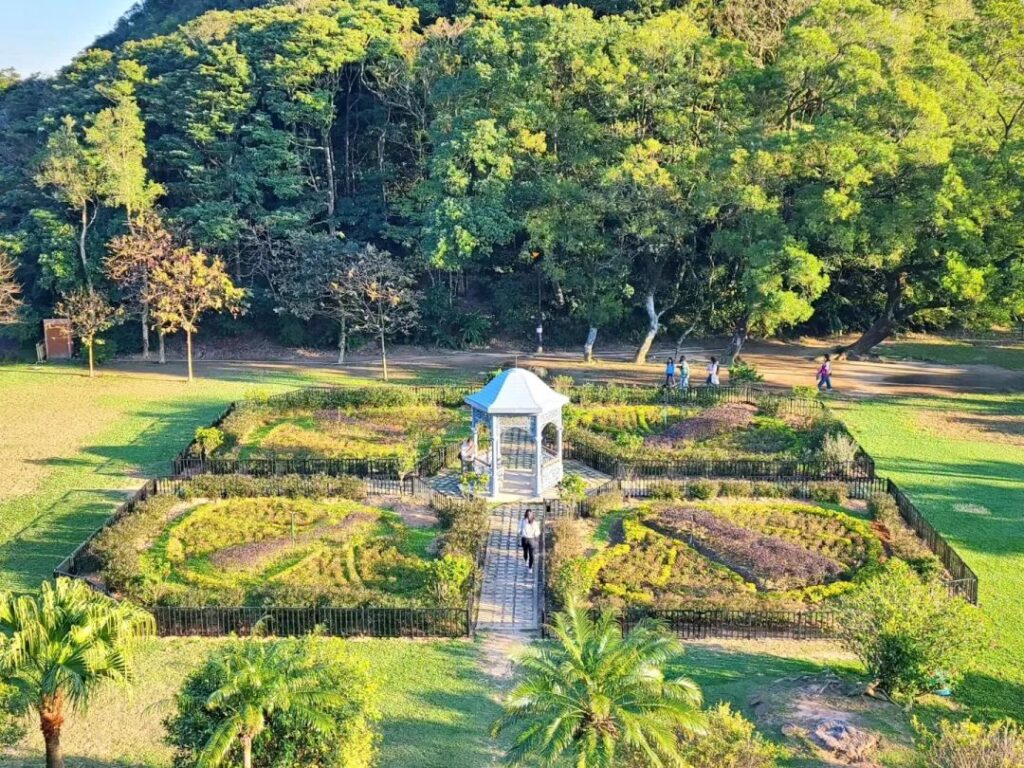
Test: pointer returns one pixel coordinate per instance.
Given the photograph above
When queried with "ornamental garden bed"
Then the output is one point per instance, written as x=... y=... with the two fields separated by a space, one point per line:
x=197 y=548
x=691 y=551
x=733 y=431
x=403 y=432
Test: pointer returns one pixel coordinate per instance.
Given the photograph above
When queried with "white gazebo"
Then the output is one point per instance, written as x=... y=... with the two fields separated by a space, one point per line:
x=516 y=403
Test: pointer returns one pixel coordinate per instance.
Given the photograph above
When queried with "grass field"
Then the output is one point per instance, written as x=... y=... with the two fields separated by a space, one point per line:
x=1009 y=355
x=71 y=448
x=437 y=708
x=961 y=459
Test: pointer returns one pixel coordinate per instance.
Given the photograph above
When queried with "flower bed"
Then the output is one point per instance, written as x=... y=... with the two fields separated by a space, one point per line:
x=734 y=553
x=729 y=431
x=280 y=551
x=259 y=430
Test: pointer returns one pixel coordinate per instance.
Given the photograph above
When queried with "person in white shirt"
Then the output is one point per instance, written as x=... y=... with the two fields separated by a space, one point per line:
x=467 y=454
x=529 y=533
x=713 y=372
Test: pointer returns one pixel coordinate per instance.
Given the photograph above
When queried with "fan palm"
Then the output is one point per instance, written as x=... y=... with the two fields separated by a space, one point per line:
x=597 y=697
x=262 y=678
x=59 y=646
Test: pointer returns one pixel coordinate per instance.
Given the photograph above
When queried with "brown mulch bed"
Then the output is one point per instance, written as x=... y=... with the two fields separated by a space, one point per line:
x=711 y=422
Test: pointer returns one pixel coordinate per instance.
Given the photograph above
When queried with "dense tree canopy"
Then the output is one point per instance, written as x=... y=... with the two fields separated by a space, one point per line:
x=622 y=168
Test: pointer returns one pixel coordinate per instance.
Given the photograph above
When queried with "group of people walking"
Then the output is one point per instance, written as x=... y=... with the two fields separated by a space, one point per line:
x=677 y=374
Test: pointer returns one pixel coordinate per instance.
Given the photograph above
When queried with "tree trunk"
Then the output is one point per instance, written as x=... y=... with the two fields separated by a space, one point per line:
x=51 y=719
x=342 y=341
x=188 y=352
x=246 y=751
x=92 y=367
x=739 y=337
x=683 y=337
x=383 y=356
x=145 y=332
x=81 y=246
x=162 y=355
x=884 y=324
x=588 y=345
x=653 y=326
x=331 y=183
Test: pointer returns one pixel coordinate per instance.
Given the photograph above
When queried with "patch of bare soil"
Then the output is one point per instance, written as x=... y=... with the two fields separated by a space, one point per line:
x=833 y=720
x=709 y=423
x=975 y=427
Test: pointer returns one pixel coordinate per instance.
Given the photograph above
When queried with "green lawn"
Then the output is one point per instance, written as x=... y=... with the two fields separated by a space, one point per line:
x=437 y=708
x=1008 y=355
x=71 y=448
x=961 y=460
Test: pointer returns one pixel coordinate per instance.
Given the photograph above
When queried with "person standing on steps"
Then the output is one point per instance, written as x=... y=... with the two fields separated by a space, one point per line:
x=825 y=374
x=467 y=454
x=529 y=534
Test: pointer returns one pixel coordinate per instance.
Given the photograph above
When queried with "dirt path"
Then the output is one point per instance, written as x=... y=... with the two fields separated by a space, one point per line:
x=782 y=364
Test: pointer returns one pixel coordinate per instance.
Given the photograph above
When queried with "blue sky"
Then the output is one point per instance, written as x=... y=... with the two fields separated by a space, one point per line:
x=44 y=35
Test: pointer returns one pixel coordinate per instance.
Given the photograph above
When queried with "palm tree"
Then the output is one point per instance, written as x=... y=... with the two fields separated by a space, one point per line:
x=599 y=698
x=59 y=646
x=262 y=678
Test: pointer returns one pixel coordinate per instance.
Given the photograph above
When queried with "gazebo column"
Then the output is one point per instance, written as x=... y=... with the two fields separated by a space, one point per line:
x=495 y=455
x=538 y=446
x=559 y=426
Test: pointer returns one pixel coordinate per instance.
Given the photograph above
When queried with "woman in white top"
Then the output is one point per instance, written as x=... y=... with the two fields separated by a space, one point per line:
x=713 y=372
x=529 y=533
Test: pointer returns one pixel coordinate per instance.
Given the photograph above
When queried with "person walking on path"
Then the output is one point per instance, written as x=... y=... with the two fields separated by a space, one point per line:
x=825 y=374
x=670 y=373
x=529 y=533
x=683 y=374
x=713 y=372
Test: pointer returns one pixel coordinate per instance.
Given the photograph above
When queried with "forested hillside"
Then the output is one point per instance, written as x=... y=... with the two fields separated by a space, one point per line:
x=621 y=171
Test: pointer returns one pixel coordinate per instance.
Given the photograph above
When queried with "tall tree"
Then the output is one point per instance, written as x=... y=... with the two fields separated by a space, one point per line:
x=10 y=291
x=597 y=697
x=74 y=174
x=60 y=646
x=89 y=314
x=262 y=679
x=380 y=292
x=131 y=258
x=186 y=284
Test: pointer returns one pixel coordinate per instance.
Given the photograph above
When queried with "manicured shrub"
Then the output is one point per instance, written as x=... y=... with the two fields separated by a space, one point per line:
x=736 y=488
x=290 y=486
x=287 y=741
x=208 y=440
x=768 y=490
x=742 y=371
x=563 y=384
x=600 y=504
x=966 y=744
x=730 y=741
x=572 y=486
x=566 y=568
x=903 y=541
x=702 y=489
x=450 y=577
x=906 y=631
x=465 y=526
x=832 y=493
x=838 y=448
x=666 y=489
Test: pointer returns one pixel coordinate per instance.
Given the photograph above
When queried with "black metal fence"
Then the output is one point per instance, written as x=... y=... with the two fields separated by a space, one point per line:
x=390 y=468
x=699 y=624
x=218 y=621
x=856 y=488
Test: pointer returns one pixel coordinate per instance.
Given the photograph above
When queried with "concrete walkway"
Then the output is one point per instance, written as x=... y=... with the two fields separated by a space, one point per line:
x=509 y=594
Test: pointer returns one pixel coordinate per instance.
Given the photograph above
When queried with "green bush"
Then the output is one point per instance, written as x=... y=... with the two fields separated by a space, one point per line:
x=838 y=448
x=903 y=541
x=666 y=489
x=737 y=488
x=966 y=744
x=119 y=546
x=465 y=526
x=906 y=631
x=769 y=405
x=287 y=741
x=600 y=504
x=13 y=706
x=563 y=384
x=702 y=489
x=833 y=493
x=731 y=741
x=742 y=371
x=768 y=490
x=566 y=568
x=572 y=486
x=208 y=440
x=290 y=486
x=449 y=578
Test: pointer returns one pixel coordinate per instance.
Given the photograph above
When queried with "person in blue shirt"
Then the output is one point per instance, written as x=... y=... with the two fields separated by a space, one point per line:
x=670 y=373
